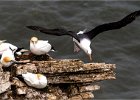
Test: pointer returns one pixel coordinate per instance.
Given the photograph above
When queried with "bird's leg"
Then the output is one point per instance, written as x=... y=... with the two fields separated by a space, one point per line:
x=90 y=58
x=76 y=48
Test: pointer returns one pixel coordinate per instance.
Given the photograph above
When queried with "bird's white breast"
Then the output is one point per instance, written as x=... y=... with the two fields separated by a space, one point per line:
x=84 y=43
x=41 y=47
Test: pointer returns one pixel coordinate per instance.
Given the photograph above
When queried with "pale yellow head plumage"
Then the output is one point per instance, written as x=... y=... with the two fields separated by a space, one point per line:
x=39 y=76
x=7 y=59
x=34 y=40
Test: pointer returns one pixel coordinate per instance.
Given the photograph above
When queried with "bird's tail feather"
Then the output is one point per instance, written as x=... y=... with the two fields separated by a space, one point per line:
x=53 y=49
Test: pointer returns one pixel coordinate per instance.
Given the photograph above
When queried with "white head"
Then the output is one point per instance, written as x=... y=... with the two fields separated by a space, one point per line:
x=7 y=61
x=40 y=76
x=34 y=40
x=42 y=80
x=89 y=53
x=7 y=58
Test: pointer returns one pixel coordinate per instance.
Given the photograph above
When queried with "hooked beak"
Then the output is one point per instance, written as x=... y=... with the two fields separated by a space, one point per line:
x=90 y=57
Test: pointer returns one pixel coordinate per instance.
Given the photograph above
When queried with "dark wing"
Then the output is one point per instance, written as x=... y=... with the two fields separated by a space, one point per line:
x=18 y=49
x=57 y=32
x=114 y=25
x=20 y=77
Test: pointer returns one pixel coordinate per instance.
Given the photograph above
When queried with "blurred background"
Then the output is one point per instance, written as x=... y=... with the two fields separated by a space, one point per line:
x=120 y=47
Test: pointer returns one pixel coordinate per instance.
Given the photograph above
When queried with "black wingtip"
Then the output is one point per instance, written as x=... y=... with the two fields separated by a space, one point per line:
x=19 y=49
x=133 y=15
x=20 y=78
x=129 y=18
x=33 y=27
x=53 y=49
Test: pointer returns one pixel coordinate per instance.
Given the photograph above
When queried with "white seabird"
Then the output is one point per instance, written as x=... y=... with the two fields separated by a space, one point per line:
x=40 y=47
x=7 y=58
x=83 y=40
x=35 y=80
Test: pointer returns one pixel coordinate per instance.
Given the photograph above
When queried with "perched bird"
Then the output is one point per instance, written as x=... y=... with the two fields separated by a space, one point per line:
x=7 y=58
x=34 y=80
x=83 y=38
x=15 y=49
x=40 y=47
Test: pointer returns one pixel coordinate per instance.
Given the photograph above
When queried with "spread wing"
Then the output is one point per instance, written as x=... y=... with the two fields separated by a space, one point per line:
x=114 y=25
x=57 y=32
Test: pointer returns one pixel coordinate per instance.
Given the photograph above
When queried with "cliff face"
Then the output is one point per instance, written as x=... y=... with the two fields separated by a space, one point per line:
x=68 y=79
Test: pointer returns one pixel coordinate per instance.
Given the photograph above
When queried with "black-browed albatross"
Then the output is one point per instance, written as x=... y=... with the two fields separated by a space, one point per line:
x=83 y=38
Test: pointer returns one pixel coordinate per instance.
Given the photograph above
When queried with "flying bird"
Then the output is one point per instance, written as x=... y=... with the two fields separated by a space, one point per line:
x=34 y=80
x=83 y=38
x=40 y=47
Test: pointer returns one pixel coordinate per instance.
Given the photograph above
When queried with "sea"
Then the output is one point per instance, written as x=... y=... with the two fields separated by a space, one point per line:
x=120 y=47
